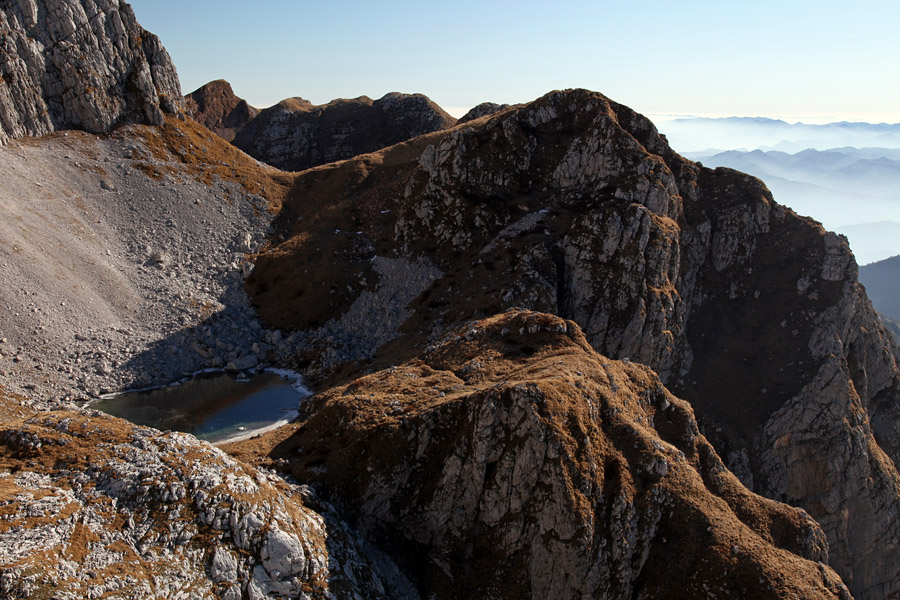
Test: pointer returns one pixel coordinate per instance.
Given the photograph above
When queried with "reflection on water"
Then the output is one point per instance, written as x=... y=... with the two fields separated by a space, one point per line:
x=211 y=406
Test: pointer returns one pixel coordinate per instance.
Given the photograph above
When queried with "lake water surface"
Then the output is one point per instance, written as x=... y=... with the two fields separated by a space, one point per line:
x=212 y=406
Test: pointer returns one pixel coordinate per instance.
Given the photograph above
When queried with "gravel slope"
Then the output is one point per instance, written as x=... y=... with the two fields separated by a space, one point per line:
x=121 y=267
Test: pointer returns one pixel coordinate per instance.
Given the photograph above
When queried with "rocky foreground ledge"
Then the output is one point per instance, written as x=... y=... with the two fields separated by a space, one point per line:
x=129 y=512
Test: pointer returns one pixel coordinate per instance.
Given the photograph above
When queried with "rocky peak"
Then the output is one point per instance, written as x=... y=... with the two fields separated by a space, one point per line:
x=80 y=64
x=215 y=106
x=513 y=461
x=296 y=135
x=575 y=205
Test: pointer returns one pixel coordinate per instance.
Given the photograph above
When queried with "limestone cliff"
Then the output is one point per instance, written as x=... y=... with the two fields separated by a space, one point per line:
x=574 y=205
x=295 y=134
x=513 y=461
x=80 y=64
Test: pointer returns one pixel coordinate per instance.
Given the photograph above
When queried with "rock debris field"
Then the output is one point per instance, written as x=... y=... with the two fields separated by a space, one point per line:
x=118 y=270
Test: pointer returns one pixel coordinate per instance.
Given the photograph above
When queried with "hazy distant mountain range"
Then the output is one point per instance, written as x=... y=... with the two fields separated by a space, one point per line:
x=693 y=134
x=854 y=191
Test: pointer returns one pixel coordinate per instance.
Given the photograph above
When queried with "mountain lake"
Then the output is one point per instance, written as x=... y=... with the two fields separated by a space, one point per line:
x=215 y=407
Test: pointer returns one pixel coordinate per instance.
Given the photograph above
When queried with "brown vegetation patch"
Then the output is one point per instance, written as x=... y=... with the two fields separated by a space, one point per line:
x=205 y=156
x=12 y=406
x=384 y=446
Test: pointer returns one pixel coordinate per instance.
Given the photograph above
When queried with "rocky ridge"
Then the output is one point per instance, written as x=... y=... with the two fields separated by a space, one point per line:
x=80 y=65
x=574 y=205
x=513 y=461
x=295 y=134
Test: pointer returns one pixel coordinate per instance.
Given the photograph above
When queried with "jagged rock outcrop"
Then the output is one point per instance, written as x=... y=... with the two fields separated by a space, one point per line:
x=513 y=461
x=95 y=507
x=575 y=205
x=215 y=106
x=482 y=110
x=80 y=64
x=295 y=134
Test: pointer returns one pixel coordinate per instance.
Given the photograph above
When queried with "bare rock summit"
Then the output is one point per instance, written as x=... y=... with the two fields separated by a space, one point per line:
x=215 y=106
x=482 y=110
x=80 y=64
x=296 y=134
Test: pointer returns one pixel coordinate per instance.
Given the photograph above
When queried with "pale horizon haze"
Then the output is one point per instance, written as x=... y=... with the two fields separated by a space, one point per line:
x=798 y=61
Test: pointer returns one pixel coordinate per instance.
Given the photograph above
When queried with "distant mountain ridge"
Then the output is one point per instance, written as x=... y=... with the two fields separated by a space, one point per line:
x=694 y=134
x=295 y=134
x=846 y=170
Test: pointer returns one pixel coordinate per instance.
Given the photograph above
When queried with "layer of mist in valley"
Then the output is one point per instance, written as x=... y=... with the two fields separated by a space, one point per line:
x=845 y=175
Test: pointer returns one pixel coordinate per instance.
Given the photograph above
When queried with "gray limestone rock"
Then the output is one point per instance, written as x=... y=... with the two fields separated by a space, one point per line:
x=80 y=64
x=131 y=512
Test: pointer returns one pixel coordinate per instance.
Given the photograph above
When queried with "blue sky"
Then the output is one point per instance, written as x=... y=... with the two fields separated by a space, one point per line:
x=811 y=61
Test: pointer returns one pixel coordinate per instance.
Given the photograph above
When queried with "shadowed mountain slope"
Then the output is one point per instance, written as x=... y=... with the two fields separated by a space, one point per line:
x=215 y=106
x=882 y=281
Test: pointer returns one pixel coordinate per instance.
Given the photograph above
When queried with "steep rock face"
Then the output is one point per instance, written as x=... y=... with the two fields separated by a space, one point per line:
x=574 y=205
x=80 y=64
x=215 y=106
x=296 y=135
x=128 y=512
x=513 y=461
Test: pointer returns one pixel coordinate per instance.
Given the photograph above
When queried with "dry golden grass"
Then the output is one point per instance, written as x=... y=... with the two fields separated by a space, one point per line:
x=189 y=148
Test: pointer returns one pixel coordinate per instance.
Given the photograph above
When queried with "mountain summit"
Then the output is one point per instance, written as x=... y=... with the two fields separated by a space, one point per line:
x=215 y=106
x=574 y=205
x=296 y=134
